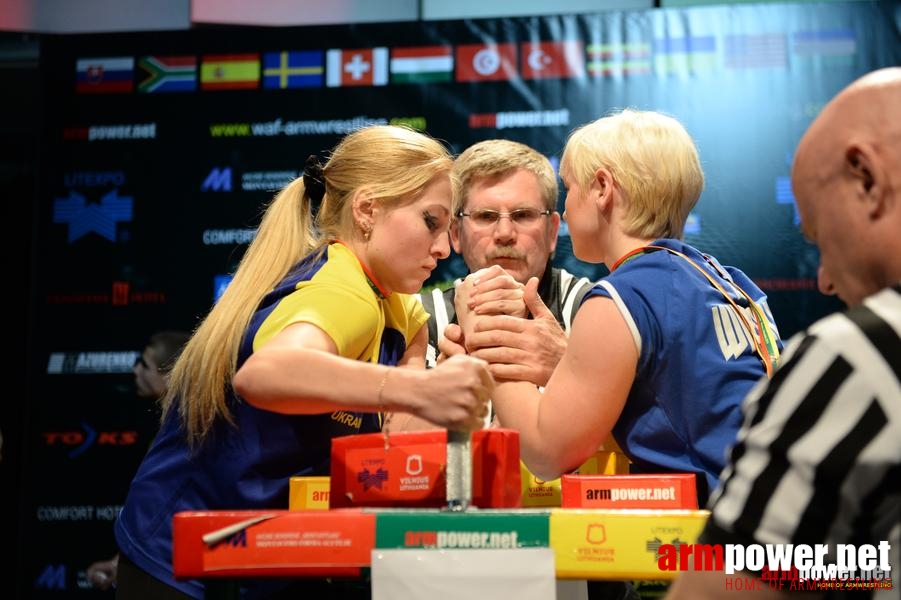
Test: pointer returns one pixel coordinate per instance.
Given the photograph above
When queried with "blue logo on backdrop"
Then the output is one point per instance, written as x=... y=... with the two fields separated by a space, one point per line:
x=219 y=180
x=220 y=282
x=53 y=577
x=83 y=217
x=784 y=195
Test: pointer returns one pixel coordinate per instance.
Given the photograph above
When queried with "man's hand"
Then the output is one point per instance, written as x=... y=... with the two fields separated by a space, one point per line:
x=488 y=291
x=451 y=343
x=520 y=349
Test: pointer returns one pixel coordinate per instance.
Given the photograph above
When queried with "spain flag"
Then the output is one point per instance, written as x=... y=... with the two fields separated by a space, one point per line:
x=230 y=72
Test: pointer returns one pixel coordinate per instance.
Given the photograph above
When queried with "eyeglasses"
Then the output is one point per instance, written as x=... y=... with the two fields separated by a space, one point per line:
x=485 y=217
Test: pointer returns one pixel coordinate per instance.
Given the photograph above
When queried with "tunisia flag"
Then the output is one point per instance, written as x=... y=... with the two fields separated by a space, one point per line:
x=486 y=62
x=546 y=60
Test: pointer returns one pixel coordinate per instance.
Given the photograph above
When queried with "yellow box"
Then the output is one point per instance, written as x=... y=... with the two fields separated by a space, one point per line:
x=537 y=492
x=605 y=462
x=619 y=544
x=308 y=493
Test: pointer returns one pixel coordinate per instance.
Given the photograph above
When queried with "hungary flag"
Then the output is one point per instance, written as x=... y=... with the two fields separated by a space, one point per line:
x=422 y=64
x=168 y=74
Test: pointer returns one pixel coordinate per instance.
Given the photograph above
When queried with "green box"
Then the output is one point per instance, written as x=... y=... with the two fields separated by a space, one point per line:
x=476 y=529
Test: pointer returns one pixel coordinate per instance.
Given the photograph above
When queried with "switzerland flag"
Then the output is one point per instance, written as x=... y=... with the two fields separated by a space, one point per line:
x=546 y=60
x=363 y=66
x=486 y=62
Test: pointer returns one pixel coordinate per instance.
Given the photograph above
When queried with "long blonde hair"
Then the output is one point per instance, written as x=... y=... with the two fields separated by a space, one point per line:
x=392 y=163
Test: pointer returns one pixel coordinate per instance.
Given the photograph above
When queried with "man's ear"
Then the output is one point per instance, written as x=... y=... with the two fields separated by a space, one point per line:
x=554 y=225
x=869 y=178
x=859 y=165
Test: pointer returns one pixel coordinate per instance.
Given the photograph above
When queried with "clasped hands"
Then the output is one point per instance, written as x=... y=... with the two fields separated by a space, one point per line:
x=492 y=312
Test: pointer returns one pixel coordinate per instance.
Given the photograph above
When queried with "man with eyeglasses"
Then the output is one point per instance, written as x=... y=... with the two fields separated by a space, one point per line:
x=507 y=194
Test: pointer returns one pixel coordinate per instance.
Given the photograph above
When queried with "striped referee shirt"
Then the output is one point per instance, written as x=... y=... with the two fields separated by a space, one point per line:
x=818 y=457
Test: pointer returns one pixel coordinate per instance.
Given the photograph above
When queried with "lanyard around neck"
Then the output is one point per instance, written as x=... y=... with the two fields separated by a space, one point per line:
x=765 y=343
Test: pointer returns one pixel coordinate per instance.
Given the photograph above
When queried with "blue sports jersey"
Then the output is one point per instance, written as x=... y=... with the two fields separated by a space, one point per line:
x=695 y=361
x=248 y=466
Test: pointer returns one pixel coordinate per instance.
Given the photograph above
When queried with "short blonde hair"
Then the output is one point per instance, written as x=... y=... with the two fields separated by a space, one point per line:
x=653 y=160
x=494 y=158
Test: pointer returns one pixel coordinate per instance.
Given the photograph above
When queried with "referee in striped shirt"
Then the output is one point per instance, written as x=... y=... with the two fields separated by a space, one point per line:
x=818 y=459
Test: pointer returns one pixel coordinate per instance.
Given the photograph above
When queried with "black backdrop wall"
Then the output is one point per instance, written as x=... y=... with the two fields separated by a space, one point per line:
x=159 y=151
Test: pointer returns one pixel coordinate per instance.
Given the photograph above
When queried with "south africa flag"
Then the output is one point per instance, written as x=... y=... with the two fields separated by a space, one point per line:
x=167 y=74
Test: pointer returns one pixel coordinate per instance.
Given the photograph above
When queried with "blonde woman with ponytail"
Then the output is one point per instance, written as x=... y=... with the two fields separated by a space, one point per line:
x=304 y=346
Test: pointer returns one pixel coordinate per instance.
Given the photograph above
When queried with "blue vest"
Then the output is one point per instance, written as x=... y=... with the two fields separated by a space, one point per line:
x=695 y=362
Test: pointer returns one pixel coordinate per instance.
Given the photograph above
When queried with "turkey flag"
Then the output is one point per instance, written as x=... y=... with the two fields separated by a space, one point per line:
x=547 y=60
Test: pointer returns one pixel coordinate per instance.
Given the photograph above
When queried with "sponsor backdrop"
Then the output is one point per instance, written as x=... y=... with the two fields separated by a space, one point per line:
x=161 y=149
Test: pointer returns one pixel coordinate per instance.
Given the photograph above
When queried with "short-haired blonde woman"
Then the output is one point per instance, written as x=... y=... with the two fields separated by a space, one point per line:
x=302 y=347
x=662 y=350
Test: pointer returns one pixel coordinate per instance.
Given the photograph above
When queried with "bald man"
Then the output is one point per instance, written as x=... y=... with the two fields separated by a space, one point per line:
x=818 y=460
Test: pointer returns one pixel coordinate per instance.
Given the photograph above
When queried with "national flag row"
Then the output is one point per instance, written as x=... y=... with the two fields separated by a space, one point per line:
x=443 y=63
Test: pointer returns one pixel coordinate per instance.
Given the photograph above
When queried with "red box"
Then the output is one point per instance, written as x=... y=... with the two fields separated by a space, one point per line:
x=411 y=472
x=276 y=543
x=671 y=491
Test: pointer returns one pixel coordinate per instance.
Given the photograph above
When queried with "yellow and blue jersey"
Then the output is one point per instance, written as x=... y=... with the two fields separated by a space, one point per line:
x=248 y=466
